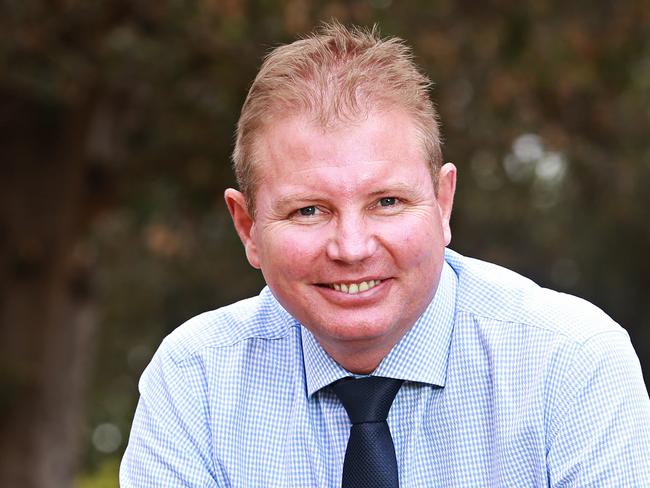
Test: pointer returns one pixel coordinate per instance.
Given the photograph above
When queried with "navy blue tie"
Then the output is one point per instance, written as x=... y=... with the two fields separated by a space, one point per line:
x=370 y=460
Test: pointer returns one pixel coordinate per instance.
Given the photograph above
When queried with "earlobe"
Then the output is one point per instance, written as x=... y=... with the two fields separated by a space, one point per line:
x=446 y=191
x=244 y=224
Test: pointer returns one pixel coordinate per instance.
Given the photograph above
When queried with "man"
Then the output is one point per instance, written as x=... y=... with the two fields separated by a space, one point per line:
x=484 y=378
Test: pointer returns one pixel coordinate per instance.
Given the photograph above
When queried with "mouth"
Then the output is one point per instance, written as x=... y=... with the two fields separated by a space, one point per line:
x=353 y=288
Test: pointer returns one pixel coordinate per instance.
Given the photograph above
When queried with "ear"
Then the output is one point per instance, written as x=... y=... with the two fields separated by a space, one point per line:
x=244 y=224
x=446 y=190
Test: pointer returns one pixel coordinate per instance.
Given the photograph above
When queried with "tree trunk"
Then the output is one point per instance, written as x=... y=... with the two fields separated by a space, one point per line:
x=46 y=312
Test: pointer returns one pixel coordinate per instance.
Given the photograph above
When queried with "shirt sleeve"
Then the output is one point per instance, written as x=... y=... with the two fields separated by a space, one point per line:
x=601 y=431
x=170 y=437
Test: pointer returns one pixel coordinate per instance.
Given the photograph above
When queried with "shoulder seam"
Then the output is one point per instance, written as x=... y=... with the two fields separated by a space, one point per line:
x=558 y=332
x=196 y=351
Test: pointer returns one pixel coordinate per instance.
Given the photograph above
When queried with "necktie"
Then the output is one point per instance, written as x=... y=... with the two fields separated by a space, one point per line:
x=370 y=460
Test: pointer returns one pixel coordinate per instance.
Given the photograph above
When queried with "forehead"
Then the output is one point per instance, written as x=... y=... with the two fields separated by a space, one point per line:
x=296 y=144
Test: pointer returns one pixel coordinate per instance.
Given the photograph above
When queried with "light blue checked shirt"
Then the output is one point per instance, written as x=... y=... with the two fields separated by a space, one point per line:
x=507 y=385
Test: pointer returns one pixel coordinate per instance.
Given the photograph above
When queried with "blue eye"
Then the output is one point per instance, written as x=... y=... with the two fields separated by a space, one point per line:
x=307 y=211
x=387 y=201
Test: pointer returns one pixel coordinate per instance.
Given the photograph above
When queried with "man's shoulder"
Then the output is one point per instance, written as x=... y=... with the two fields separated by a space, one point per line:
x=256 y=318
x=492 y=292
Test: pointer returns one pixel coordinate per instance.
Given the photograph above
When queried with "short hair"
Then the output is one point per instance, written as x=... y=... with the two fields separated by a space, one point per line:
x=336 y=74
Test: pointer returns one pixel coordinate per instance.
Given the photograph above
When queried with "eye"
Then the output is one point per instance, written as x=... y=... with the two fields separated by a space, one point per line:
x=310 y=214
x=387 y=201
x=307 y=211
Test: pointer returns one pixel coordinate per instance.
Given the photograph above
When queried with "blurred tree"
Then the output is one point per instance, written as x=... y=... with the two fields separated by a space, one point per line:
x=46 y=316
x=103 y=104
x=115 y=130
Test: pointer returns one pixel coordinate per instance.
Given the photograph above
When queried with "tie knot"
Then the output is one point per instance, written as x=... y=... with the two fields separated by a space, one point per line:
x=367 y=399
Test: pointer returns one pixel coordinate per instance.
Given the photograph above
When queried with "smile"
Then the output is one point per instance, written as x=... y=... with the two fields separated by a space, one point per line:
x=352 y=288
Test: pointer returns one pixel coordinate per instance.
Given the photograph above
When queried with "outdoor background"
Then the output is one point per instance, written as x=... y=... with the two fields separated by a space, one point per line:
x=116 y=123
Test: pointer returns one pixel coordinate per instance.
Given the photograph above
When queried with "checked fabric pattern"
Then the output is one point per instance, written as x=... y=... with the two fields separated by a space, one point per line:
x=370 y=456
x=506 y=384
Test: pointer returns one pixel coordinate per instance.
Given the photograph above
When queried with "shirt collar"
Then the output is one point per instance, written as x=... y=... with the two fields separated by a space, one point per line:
x=421 y=355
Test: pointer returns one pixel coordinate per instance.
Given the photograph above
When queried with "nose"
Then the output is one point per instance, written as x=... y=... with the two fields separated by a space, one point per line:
x=353 y=240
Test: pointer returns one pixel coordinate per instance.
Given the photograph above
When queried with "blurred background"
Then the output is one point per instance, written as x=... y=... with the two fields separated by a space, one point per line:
x=116 y=123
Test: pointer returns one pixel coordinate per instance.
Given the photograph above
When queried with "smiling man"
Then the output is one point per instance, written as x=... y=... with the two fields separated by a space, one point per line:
x=377 y=357
x=348 y=229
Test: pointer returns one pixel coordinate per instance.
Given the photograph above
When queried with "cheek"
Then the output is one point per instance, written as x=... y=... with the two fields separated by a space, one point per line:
x=292 y=254
x=418 y=244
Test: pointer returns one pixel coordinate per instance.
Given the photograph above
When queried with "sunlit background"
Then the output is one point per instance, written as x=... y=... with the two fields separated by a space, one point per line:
x=116 y=123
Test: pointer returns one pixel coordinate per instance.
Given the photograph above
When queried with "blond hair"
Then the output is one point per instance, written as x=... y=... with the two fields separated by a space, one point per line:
x=336 y=74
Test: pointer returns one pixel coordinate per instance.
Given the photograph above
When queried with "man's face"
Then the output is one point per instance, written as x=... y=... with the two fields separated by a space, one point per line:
x=348 y=232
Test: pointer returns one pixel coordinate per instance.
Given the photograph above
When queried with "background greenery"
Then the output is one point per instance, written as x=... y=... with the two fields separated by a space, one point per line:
x=545 y=109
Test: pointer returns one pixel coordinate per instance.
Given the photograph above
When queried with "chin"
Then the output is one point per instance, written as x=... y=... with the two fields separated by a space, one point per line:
x=361 y=331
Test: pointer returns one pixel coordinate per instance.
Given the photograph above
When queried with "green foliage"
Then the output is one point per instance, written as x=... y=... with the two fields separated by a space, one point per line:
x=104 y=477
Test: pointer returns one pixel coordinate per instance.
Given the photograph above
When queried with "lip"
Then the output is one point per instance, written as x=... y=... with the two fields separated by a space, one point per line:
x=358 y=279
x=373 y=294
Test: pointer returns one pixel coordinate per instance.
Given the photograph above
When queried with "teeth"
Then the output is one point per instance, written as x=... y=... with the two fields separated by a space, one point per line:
x=353 y=288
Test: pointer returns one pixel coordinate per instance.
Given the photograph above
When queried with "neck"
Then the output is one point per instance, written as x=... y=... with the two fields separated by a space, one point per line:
x=358 y=360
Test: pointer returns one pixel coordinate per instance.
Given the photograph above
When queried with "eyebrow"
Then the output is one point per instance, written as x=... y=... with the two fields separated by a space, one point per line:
x=291 y=199
x=396 y=189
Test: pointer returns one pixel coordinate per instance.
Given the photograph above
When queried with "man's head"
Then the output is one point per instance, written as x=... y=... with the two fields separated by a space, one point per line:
x=334 y=76
x=349 y=227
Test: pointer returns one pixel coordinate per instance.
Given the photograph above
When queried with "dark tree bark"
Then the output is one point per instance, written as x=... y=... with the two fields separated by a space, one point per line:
x=46 y=311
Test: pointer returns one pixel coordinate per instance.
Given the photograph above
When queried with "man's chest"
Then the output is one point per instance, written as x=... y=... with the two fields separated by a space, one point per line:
x=441 y=437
